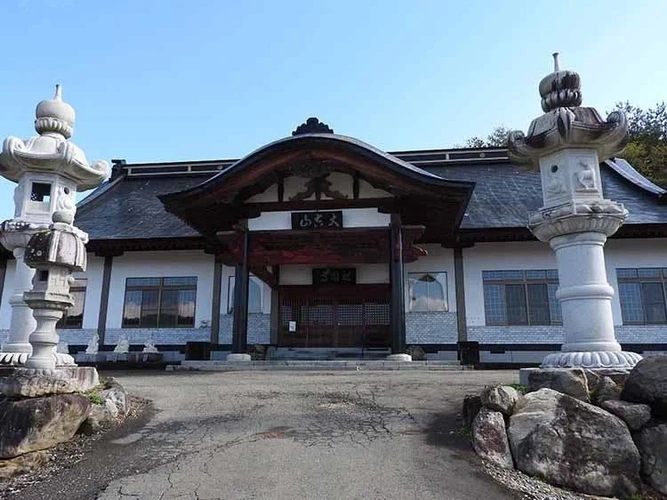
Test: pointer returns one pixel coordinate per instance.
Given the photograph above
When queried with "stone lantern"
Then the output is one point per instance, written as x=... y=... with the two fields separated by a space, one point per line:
x=48 y=169
x=54 y=254
x=566 y=144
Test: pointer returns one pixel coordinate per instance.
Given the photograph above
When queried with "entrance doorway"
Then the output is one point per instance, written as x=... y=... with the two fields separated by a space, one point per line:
x=334 y=316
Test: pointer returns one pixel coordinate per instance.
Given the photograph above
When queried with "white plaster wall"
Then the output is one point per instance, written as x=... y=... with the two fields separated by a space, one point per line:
x=352 y=217
x=634 y=253
x=339 y=182
x=270 y=195
x=93 y=275
x=342 y=183
x=439 y=259
x=498 y=256
x=368 y=191
x=161 y=264
x=8 y=289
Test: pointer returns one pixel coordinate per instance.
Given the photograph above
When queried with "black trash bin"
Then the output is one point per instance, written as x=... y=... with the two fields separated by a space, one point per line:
x=469 y=353
x=197 y=351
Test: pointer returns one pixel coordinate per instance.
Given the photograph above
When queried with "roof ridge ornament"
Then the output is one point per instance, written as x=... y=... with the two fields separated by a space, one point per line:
x=313 y=126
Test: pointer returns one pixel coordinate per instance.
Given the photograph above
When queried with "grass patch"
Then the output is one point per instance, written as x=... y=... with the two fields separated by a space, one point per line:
x=521 y=389
x=95 y=398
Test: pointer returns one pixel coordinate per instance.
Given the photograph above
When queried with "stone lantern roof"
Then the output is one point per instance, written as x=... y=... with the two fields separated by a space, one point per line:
x=565 y=123
x=51 y=151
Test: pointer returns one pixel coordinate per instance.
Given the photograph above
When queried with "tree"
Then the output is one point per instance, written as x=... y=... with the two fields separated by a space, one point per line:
x=496 y=139
x=647 y=146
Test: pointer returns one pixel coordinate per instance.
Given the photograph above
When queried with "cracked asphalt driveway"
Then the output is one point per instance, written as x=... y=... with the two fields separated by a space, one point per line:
x=288 y=435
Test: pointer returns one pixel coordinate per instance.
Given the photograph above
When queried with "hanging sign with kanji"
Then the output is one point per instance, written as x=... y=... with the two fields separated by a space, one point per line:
x=334 y=276
x=317 y=220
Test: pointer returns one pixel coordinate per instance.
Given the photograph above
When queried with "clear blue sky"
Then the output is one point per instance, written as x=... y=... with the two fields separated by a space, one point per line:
x=157 y=80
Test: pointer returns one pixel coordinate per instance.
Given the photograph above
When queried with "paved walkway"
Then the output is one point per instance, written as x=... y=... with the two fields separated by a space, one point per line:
x=288 y=435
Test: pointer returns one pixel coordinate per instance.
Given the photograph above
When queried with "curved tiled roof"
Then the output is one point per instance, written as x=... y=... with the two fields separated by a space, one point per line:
x=129 y=207
x=295 y=143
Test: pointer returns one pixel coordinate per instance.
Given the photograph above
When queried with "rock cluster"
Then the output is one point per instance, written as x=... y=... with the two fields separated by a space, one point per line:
x=594 y=432
x=39 y=411
x=113 y=406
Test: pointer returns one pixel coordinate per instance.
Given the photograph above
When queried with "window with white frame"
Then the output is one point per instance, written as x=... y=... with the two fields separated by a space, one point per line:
x=642 y=295
x=73 y=317
x=254 y=295
x=428 y=291
x=160 y=302
x=521 y=297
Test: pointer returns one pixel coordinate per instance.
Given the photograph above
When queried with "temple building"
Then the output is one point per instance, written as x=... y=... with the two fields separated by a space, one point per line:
x=348 y=249
x=321 y=245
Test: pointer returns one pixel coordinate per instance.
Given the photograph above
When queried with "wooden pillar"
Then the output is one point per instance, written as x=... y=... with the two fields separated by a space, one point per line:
x=104 y=296
x=275 y=307
x=396 y=279
x=215 y=301
x=241 y=279
x=459 y=281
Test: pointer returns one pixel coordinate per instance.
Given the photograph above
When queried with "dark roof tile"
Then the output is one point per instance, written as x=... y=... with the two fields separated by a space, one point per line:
x=504 y=195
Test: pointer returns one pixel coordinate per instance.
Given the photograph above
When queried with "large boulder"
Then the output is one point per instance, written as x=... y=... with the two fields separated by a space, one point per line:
x=647 y=384
x=19 y=382
x=489 y=438
x=607 y=390
x=22 y=464
x=653 y=448
x=570 y=381
x=634 y=415
x=501 y=398
x=116 y=399
x=100 y=416
x=574 y=444
x=472 y=403
x=39 y=423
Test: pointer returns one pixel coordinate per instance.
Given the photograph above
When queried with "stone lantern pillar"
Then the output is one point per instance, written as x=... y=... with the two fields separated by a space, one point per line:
x=48 y=170
x=566 y=144
x=55 y=254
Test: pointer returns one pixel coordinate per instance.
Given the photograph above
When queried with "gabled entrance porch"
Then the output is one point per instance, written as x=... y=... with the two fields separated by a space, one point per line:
x=321 y=200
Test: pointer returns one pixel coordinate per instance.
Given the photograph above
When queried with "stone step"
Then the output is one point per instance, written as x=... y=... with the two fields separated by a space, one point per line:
x=325 y=353
x=329 y=365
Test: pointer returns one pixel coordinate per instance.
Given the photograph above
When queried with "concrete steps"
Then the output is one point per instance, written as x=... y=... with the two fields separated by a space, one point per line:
x=312 y=354
x=321 y=365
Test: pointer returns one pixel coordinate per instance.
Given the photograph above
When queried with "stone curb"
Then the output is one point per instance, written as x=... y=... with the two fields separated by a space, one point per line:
x=287 y=365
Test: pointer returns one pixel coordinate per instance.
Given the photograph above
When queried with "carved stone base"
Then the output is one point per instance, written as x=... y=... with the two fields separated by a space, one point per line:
x=13 y=358
x=399 y=357
x=593 y=360
x=238 y=357
x=63 y=359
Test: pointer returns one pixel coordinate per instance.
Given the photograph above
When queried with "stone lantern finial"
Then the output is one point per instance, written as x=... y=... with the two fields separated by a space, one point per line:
x=55 y=116
x=560 y=89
